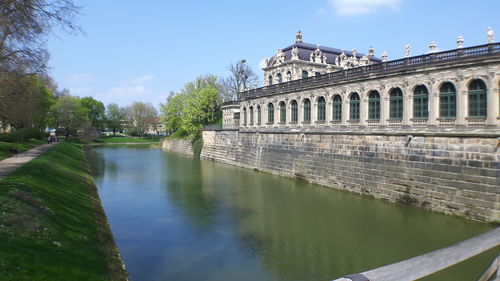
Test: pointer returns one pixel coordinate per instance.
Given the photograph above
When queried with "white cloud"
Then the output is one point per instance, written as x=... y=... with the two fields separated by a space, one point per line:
x=142 y=79
x=356 y=7
x=78 y=78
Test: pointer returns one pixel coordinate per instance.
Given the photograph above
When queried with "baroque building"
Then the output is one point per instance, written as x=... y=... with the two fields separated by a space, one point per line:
x=302 y=60
x=309 y=87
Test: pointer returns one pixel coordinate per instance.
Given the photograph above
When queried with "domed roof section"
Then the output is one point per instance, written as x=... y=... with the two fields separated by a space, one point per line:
x=306 y=51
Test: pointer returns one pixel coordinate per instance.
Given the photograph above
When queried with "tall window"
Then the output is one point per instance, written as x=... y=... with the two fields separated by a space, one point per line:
x=354 y=107
x=420 y=102
x=321 y=109
x=270 y=113
x=477 y=99
x=250 y=109
x=307 y=111
x=259 y=118
x=295 y=111
x=305 y=74
x=447 y=101
x=374 y=106
x=396 y=104
x=280 y=79
x=282 y=112
x=244 y=116
x=270 y=80
x=337 y=108
x=288 y=76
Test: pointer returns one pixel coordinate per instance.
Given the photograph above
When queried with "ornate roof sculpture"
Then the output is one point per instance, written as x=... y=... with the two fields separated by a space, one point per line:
x=320 y=54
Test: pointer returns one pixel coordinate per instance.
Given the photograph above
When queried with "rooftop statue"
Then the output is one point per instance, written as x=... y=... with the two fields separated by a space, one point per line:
x=295 y=53
x=407 y=50
x=298 y=37
x=491 y=35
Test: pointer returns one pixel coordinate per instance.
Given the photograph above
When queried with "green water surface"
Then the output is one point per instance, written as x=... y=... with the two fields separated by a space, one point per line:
x=179 y=218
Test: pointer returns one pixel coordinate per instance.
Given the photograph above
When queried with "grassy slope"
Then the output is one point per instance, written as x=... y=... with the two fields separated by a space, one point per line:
x=127 y=139
x=49 y=222
x=20 y=146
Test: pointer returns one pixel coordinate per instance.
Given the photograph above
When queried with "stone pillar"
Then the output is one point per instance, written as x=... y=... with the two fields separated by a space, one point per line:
x=345 y=110
x=288 y=113
x=314 y=110
x=300 y=113
x=328 y=110
x=461 y=102
x=433 y=105
x=363 y=108
x=493 y=101
x=407 y=106
x=384 y=108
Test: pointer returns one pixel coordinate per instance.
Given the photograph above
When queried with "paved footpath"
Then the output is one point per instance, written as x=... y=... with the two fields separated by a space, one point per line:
x=11 y=164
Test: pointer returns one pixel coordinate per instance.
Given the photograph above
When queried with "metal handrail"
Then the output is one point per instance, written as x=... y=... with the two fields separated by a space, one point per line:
x=374 y=69
x=427 y=264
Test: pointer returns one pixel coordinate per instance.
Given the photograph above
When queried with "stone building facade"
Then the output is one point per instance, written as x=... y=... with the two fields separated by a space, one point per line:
x=422 y=130
x=452 y=89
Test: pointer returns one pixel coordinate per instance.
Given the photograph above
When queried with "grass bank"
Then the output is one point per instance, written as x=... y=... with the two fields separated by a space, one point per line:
x=52 y=226
x=8 y=149
x=127 y=139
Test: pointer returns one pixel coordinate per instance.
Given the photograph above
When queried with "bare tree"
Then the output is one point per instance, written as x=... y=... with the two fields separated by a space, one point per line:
x=241 y=79
x=140 y=116
x=24 y=29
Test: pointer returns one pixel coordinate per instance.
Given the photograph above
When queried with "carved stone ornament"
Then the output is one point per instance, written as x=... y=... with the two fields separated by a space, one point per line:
x=295 y=53
x=317 y=56
x=384 y=56
x=460 y=42
x=298 y=37
x=280 y=57
x=491 y=35
x=364 y=60
x=407 y=50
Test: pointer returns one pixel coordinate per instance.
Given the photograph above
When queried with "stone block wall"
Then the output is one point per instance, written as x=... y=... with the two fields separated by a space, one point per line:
x=177 y=145
x=452 y=175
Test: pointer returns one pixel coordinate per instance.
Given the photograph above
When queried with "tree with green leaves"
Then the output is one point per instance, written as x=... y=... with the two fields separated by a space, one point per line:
x=201 y=108
x=115 y=117
x=27 y=103
x=95 y=112
x=172 y=111
x=68 y=115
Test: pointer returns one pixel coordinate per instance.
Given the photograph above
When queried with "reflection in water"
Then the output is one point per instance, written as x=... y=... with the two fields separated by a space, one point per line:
x=179 y=218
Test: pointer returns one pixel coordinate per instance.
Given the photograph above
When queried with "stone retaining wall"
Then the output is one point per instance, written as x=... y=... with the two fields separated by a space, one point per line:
x=452 y=175
x=177 y=145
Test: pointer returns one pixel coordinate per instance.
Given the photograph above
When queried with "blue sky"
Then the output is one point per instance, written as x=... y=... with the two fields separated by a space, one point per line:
x=143 y=50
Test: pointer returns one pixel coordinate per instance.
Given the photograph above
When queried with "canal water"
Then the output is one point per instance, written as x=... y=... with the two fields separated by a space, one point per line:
x=179 y=218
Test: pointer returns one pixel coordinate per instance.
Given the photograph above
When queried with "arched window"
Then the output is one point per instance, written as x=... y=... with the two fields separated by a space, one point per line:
x=374 y=106
x=420 y=102
x=321 y=110
x=477 y=99
x=354 y=107
x=317 y=73
x=289 y=76
x=307 y=111
x=250 y=109
x=259 y=118
x=244 y=116
x=396 y=104
x=295 y=111
x=270 y=80
x=305 y=74
x=337 y=108
x=282 y=112
x=270 y=113
x=280 y=79
x=447 y=101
